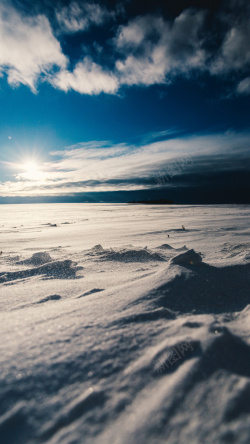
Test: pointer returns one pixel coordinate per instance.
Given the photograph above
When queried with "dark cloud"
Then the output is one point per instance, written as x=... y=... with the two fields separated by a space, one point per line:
x=225 y=188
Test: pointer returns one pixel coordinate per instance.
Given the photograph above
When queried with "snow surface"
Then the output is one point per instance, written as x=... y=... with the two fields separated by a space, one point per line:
x=119 y=326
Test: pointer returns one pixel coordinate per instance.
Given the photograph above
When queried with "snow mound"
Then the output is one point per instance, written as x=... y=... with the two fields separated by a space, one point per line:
x=85 y=402
x=203 y=288
x=135 y=255
x=170 y=359
x=165 y=247
x=39 y=258
x=125 y=254
x=53 y=270
x=190 y=257
x=181 y=248
x=97 y=248
x=53 y=297
x=147 y=316
x=95 y=251
x=226 y=351
x=218 y=378
x=240 y=251
x=88 y=293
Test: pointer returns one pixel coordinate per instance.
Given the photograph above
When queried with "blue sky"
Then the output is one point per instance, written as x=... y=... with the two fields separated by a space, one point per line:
x=112 y=100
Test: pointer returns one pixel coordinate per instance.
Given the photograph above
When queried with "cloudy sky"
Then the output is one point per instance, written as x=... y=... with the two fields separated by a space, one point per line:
x=116 y=100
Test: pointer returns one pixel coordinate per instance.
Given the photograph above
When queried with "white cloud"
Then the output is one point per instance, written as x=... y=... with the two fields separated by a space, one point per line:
x=234 y=53
x=138 y=30
x=157 y=50
x=80 y=16
x=86 y=78
x=154 y=50
x=27 y=47
x=147 y=50
x=244 y=86
x=103 y=166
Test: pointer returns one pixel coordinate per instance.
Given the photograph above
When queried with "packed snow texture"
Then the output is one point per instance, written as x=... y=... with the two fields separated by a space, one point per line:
x=119 y=326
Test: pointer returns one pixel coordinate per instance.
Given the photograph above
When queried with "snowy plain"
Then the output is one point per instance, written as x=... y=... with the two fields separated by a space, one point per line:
x=119 y=326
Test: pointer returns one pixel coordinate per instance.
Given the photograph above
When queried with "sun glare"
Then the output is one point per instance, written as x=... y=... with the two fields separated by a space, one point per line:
x=31 y=166
x=31 y=170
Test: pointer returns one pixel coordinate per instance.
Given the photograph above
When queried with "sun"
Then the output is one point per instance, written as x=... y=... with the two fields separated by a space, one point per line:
x=31 y=170
x=30 y=166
